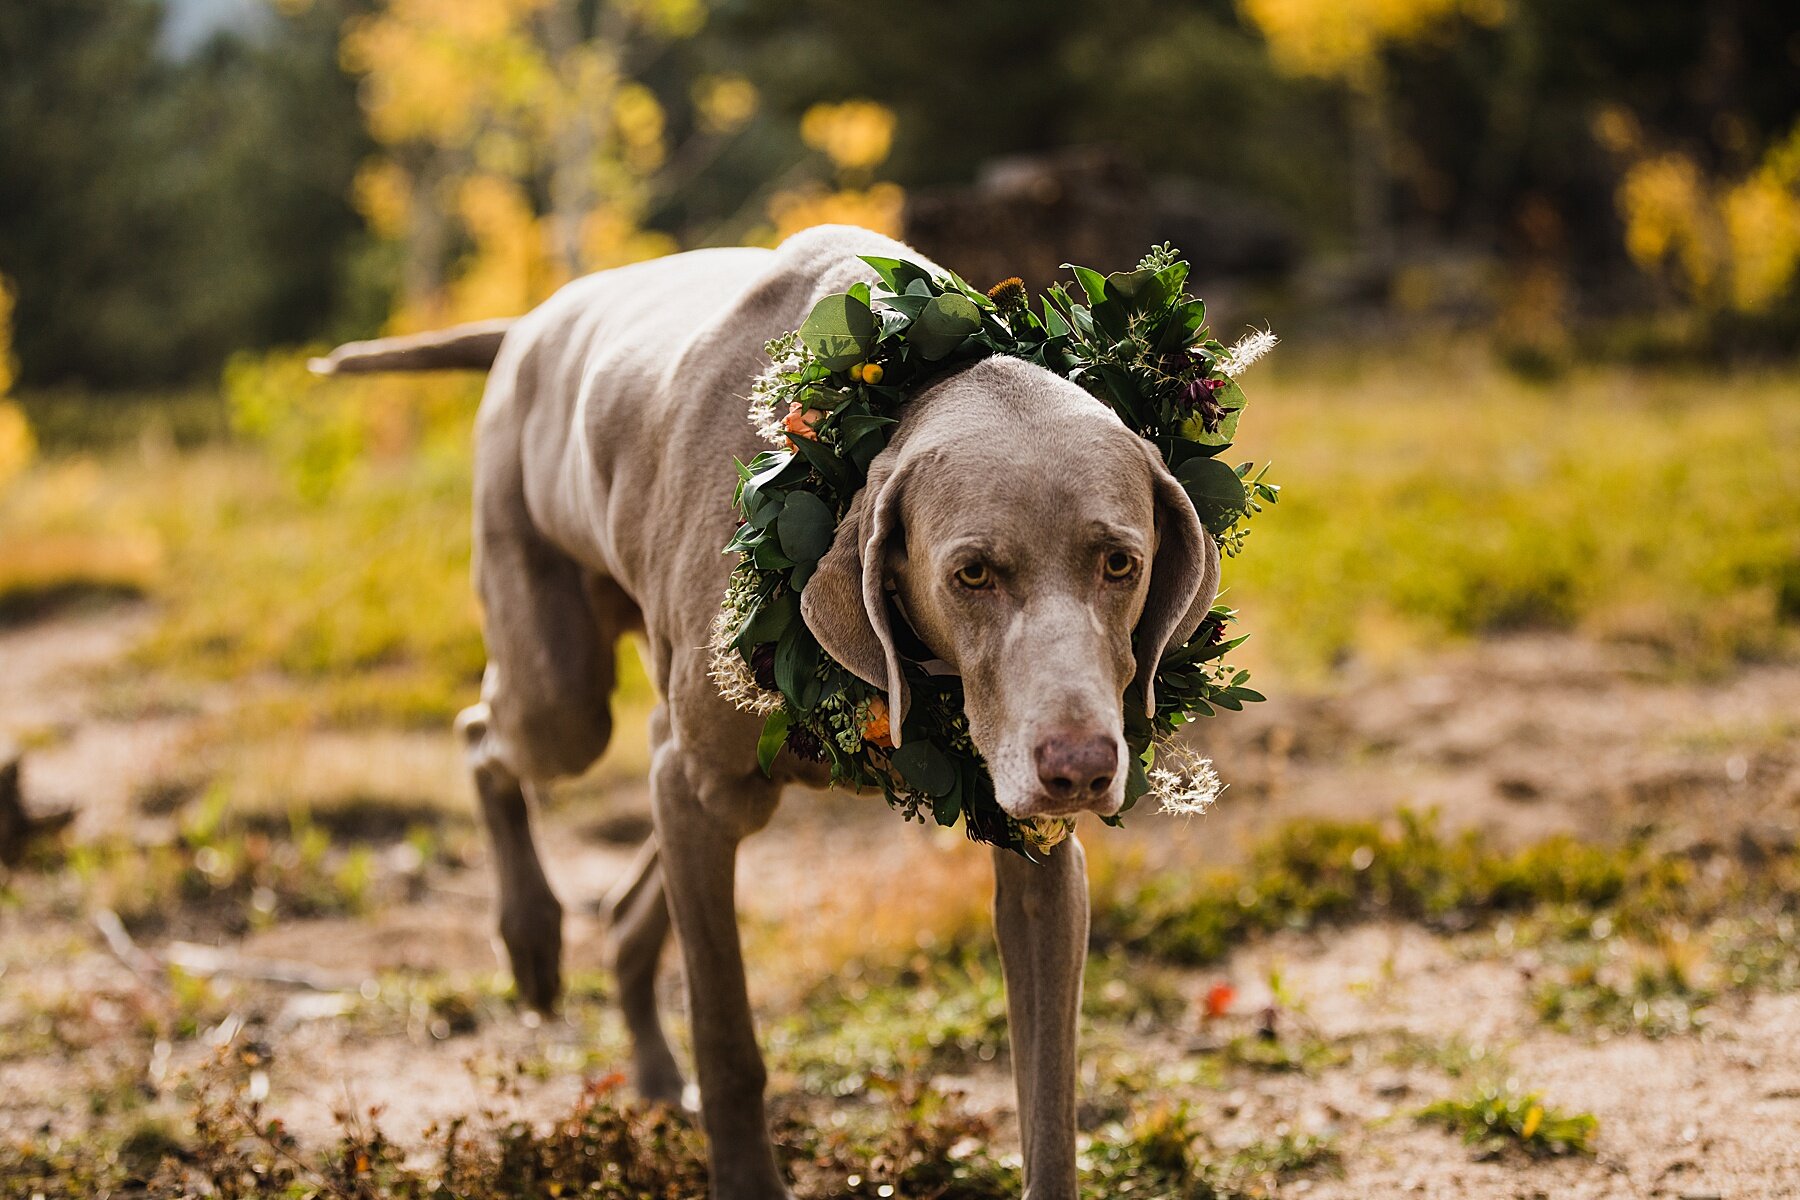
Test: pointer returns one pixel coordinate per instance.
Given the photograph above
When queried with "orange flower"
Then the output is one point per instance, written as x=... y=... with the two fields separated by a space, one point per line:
x=1218 y=1000
x=875 y=729
x=800 y=421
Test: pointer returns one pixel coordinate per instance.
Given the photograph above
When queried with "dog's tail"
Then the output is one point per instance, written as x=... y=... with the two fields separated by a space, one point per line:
x=471 y=347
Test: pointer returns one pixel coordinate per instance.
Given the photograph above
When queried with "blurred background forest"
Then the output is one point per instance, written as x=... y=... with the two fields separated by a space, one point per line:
x=188 y=179
x=1536 y=266
x=1433 y=200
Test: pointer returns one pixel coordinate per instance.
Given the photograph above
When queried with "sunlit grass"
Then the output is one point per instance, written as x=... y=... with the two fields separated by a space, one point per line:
x=1429 y=495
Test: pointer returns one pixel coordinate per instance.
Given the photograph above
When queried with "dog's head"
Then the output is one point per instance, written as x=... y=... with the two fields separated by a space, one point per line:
x=1042 y=551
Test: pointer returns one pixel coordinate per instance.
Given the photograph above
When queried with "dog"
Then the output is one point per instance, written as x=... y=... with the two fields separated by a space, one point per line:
x=1034 y=544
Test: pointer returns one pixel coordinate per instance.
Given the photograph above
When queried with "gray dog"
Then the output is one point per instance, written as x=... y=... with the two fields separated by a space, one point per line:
x=1029 y=537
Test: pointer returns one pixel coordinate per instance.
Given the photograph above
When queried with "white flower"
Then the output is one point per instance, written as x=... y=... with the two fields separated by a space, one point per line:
x=1249 y=348
x=732 y=676
x=771 y=391
x=1183 y=780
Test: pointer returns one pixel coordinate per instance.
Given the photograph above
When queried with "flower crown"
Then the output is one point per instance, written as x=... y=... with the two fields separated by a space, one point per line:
x=829 y=400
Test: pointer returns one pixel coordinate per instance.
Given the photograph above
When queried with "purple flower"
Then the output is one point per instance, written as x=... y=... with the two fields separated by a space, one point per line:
x=1202 y=396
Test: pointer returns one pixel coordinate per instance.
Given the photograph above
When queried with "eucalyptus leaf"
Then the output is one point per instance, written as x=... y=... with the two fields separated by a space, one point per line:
x=840 y=330
x=1215 y=489
x=806 y=527
x=926 y=768
x=942 y=326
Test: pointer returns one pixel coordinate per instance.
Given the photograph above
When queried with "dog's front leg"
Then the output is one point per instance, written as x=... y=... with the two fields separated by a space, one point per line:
x=699 y=823
x=1041 y=915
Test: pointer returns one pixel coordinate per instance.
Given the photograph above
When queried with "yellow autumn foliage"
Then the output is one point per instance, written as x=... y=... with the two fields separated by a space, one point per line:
x=856 y=135
x=725 y=102
x=879 y=206
x=17 y=446
x=1339 y=39
x=1725 y=243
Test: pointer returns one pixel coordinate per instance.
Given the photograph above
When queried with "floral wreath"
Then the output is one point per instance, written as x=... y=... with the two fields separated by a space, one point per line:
x=829 y=400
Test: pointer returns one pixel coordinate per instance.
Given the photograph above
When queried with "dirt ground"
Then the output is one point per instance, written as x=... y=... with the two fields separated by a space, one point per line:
x=1521 y=738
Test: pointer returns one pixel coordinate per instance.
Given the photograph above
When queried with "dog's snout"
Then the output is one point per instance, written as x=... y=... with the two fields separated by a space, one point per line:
x=1077 y=768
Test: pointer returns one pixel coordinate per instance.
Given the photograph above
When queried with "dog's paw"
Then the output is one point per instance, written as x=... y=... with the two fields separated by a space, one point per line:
x=533 y=941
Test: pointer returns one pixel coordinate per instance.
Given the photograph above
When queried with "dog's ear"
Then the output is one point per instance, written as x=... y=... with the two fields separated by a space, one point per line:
x=1184 y=579
x=845 y=602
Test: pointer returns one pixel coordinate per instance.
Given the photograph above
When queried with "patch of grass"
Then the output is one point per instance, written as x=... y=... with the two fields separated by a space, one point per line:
x=1300 y=1053
x=1435 y=496
x=1314 y=872
x=215 y=877
x=939 y=1012
x=1497 y=1119
x=1658 y=993
x=1164 y=1155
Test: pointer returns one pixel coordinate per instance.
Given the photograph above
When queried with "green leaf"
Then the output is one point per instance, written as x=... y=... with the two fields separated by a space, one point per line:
x=796 y=654
x=806 y=527
x=946 y=808
x=769 y=621
x=769 y=557
x=943 y=325
x=774 y=736
x=771 y=467
x=1092 y=282
x=1215 y=489
x=908 y=306
x=762 y=509
x=821 y=458
x=926 y=769
x=896 y=272
x=840 y=330
x=1194 y=429
x=1142 y=291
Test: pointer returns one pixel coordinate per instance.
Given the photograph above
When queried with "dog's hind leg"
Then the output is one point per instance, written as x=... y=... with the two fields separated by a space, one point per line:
x=1041 y=916
x=701 y=816
x=638 y=911
x=530 y=914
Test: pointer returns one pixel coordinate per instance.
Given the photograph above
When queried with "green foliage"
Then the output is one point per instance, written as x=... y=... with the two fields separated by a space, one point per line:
x=166 y=211
x=1314 y=872
x=1658 y=995
x=1499 y=1119
x=838 y=385
x=1445 y=500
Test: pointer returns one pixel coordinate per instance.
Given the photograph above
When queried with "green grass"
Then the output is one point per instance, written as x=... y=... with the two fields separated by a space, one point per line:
x=1498 y=1119
x=1429 y=496
x=1311 y=873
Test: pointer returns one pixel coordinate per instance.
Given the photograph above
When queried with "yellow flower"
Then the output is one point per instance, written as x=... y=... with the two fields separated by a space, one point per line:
x=1533 y=1119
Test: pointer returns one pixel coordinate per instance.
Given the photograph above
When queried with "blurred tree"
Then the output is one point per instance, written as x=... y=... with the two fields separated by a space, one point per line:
x=155 y=214
x=518 y=145
x=16 y=442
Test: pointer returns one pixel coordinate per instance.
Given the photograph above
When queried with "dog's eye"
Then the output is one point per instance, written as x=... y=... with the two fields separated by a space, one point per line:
x=1119 y=565
x=975 y=576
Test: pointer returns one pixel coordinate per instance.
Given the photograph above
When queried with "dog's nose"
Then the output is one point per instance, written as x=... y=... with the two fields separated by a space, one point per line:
x=1076 y=768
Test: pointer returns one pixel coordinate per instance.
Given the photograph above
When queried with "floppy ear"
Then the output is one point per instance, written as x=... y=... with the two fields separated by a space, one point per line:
x=845 y=602
x=1184 y=579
